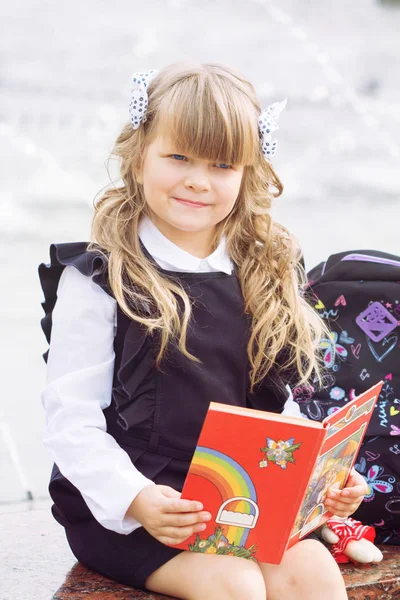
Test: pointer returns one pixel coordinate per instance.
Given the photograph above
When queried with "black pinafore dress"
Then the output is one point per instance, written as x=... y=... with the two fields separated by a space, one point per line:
x=156 y=414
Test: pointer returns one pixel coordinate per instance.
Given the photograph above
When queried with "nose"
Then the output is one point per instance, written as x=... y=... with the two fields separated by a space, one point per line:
x=198 y=180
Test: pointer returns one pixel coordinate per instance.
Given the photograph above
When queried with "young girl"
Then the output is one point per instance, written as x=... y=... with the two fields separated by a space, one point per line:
x=188 y=292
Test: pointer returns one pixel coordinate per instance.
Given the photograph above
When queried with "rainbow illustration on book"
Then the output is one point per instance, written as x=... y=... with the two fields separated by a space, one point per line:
x=239 y=511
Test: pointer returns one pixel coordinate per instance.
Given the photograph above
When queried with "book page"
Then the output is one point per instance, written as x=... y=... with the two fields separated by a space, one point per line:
x=332 y=469
x=345 y=430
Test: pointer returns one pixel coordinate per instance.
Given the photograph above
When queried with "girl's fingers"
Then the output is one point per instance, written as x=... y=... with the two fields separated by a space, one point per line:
x=172 y=502
x=356 y=484
x=185 y=519
x=179 y=534
x=345 y=501
x=176 y=505
x=355 y=478
x=355 y=491
x=342 y=508
x=352 y=494
x=168 y=491
x=348 y=509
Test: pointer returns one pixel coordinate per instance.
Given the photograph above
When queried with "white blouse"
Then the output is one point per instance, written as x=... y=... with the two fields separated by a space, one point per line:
x=80 y=371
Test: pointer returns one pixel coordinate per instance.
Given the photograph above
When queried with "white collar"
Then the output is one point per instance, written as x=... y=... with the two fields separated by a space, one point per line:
x=170 y=257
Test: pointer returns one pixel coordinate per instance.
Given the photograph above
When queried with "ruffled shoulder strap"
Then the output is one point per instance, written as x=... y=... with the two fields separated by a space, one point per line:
x=92 y=264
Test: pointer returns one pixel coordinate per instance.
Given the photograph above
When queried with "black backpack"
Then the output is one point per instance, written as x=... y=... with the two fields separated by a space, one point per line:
x=358 y=294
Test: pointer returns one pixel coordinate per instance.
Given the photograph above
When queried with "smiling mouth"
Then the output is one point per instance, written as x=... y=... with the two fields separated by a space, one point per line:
x=190 y=203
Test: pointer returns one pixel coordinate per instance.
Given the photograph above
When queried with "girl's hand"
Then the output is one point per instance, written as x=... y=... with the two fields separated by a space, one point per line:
x=165 y=516
x=345 y=502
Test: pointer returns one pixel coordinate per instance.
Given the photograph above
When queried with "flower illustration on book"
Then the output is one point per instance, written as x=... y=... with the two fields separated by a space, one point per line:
x=280 y=452
x=217 y=543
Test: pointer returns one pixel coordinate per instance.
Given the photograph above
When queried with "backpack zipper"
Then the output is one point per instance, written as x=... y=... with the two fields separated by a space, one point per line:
x=373 y=259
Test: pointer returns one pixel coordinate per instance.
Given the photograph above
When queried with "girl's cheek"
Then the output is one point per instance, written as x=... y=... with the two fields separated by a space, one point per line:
x=233 y=182
x=170 y=175
x=163 y=179
x=230 y=191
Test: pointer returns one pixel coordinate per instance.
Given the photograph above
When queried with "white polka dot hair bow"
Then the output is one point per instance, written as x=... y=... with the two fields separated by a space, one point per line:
x=139 y=99
x=267 y=125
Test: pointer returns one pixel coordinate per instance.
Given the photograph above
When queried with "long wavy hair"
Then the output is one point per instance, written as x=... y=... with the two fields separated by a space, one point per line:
x=211 y=110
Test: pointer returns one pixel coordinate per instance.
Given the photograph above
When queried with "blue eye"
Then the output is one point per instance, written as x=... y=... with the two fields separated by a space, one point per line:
x=178 y=156
x=224 y=166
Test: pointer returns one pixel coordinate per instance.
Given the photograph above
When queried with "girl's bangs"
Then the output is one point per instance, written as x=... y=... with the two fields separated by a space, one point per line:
x=210 y=121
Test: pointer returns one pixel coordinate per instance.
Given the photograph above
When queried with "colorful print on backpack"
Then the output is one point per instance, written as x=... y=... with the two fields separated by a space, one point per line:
x=358 y=294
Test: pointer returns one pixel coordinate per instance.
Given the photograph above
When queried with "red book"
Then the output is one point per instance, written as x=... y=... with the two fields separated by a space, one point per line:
x=264 y=477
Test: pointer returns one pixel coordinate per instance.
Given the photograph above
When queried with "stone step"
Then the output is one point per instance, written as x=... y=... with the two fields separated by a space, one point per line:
x=380 y=581
x=35 y=560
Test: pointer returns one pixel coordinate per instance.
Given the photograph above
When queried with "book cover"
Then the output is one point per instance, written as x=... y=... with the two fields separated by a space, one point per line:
x=264 y=477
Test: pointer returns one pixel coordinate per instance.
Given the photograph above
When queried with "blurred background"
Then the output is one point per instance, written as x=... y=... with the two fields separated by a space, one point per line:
x=65 y=70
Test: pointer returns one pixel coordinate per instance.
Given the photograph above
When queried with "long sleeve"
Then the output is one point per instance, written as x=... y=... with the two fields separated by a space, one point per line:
x=291 y=408
x=79 y=386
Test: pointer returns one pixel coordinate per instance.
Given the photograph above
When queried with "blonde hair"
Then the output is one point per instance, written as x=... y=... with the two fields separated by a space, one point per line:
x=211 y=110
